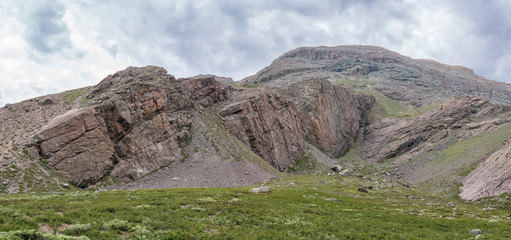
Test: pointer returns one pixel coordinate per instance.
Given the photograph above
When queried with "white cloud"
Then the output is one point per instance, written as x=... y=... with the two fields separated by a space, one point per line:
x=51 y=46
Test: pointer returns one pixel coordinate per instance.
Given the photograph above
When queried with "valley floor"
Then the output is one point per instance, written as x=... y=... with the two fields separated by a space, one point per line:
x=298 y=207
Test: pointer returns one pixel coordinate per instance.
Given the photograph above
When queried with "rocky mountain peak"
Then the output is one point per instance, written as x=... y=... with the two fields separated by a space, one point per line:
x=418 y=82
x=377 y=54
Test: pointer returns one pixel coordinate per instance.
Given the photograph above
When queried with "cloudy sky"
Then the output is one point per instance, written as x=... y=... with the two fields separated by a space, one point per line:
x=47 y=46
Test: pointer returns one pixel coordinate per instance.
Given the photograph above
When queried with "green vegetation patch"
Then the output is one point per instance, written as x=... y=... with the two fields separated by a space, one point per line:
x=384 y=106
x=440 y=166
x=298 y=207
x=70 y=97
x=303 y=164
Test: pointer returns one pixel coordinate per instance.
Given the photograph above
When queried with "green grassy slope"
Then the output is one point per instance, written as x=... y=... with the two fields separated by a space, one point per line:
x=297 y=207
x=384 y=106
x=441 y=170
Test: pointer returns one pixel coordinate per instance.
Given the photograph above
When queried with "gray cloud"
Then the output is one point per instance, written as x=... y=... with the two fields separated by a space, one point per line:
x=238 y=38
x=46 y=32
x=489 y=25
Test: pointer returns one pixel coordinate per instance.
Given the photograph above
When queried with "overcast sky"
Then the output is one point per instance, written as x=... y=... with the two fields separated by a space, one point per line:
x=48 y=46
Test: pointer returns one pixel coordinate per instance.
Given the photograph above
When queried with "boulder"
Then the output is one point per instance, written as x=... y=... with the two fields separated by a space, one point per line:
x=260 y=189
x=344 y=172
x=47 y=101
x=336 y=168
x=332 y=199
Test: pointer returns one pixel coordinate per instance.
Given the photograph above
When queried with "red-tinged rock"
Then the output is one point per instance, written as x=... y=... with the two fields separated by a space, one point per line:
x=136 y=122
x=332 y=115
x=269 y=124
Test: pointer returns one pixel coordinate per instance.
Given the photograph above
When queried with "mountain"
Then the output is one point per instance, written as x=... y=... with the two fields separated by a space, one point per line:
x=416 y=81
x=364 y=108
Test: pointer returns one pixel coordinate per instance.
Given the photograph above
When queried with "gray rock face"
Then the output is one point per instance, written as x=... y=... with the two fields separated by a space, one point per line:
x=491 y=178
x=137 y=121
x=419 y=82
x=390 y=137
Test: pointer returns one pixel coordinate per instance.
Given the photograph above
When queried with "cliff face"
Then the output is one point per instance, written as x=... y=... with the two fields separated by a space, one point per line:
x=332 y=115
x=419 y=82
x=269 y=124
x=277 y=124
x=137 y=122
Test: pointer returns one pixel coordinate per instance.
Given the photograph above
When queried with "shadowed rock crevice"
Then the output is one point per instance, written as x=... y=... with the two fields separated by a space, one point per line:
x=332 y=115
x=276 y=124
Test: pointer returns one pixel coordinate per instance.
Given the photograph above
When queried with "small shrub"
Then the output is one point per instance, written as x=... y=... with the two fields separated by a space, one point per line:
x=119 y=225
x=32 y=234
x=143 y=207
x=207 y=199
x=77 y=229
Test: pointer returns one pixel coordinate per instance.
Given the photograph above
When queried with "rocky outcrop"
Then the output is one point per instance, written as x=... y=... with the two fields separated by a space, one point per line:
x=491 y=178
x=275 y=124
x=77 y=146
x=136 y=122
x=269 y=124
x=389 y=137
x=419 y=82
x=332 y=115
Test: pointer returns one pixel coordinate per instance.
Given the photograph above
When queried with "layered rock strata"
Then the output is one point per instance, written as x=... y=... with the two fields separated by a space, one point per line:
x=416 y=81
x=491 y=178
x=275 y=124
x=269 y=124
x=332 y=115
x=136 y=122
x=392 y=137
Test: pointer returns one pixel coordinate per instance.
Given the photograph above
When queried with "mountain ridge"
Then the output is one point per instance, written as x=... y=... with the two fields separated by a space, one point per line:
x=143 y=128
x=417 y=81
